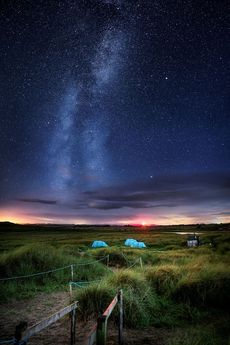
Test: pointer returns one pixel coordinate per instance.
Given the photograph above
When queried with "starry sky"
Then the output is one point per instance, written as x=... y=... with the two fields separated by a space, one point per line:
x=114 y=111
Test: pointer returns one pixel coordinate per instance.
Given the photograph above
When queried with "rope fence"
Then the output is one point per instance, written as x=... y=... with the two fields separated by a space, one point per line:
x=55 y=270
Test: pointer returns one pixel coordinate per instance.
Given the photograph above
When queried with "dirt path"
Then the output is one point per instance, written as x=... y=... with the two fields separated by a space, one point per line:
x=43 y=305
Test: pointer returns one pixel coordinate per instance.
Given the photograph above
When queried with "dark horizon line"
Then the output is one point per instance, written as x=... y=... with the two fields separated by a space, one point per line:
x=110 y=224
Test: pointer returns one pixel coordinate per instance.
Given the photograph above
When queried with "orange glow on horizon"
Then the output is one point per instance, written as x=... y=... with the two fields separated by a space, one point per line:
x=23 y=216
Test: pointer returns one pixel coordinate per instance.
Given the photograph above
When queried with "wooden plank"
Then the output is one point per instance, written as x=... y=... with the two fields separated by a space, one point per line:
x=73 y=327
x=48 y=321
x=121 y=317
x=110 y=308
x=91 y=338
x=141 y=263
x=72 y=273
x=101 y=330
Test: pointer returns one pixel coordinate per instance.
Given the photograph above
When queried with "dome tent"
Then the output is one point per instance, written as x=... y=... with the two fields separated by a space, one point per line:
x=129 y=242
x=138 y=245
x=99 y=244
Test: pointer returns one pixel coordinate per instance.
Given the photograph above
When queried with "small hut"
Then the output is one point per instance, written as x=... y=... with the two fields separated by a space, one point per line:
x=193 y=241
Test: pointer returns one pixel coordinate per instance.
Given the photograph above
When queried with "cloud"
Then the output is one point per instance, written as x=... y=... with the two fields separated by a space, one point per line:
x=223 y=214
x=39 y=201
x=164 y=191
x=179 y=199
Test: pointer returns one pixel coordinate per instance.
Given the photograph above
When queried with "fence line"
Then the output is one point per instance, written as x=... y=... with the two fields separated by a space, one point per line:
x=54 y=270
x=7 y=341
x=98 y=332
x=68 y=266
x=22 y=333
x=135 y=262
x=35 y=274
x=81 y=284
x=139 y=260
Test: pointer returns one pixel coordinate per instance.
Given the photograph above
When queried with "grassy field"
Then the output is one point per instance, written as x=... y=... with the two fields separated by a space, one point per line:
x=184 y=290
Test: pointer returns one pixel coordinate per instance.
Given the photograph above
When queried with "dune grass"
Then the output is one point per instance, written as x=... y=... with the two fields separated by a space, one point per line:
x=33 y=259
x=212 y=334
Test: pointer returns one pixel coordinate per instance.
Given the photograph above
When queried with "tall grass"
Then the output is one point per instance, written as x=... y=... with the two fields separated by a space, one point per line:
x=142 y=305
x=200 y=335
x=29 y=260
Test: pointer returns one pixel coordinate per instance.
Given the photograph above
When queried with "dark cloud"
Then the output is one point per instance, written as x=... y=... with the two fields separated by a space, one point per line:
x=165 y=191
x=38 y=201
x=223 y=214
x=117 y=205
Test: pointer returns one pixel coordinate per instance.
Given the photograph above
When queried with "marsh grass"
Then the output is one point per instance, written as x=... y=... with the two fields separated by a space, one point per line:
x=177 y=286
x=201 y=335
x=29 y=260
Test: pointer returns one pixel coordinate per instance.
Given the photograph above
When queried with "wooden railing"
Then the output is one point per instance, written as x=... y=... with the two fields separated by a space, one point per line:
x=98 y=332
x=22 y=333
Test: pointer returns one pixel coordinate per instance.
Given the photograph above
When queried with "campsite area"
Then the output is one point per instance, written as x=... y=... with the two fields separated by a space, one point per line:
x=173 y=294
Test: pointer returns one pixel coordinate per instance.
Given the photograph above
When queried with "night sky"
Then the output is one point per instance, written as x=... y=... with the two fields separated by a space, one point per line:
x=114 y=112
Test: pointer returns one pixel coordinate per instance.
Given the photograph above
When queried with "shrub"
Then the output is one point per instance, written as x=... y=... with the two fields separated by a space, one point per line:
x=163 y=278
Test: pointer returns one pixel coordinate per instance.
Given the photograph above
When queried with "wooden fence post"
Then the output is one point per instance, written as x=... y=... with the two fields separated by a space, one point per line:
x=121 y=317
x=107 y=260
x=19 y=332
x=101 y=330
x=71 y=267
x=73 y=326
x=141 y=264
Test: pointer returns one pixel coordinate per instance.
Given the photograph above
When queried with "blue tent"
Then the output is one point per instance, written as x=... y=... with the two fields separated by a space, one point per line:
x=129 y=242
x=99 y=244
x=138 y=245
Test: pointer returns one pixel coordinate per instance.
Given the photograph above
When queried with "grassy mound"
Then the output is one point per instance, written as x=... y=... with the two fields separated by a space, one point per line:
x=116 y=256
x=213 y=334
x=142 y=305
x=163 y=278
x=29 y=260
x=204 y=290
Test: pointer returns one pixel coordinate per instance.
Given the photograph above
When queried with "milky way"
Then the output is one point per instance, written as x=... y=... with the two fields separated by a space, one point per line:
x=114 y=112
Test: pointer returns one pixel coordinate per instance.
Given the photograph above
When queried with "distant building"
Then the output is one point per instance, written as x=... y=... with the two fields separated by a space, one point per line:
x=193 y=241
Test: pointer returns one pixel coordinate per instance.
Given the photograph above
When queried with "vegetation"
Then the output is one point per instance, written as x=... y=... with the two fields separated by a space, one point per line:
x=185 y=290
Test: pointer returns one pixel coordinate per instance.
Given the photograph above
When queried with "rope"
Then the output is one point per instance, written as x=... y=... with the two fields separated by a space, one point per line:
x=85 y=282
x=126 y=259
x=54 y=270
x=80 y=283
x=35 y=274
x=13 y=341
x=91 y=262
x=135 y=262
x=8 y=341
